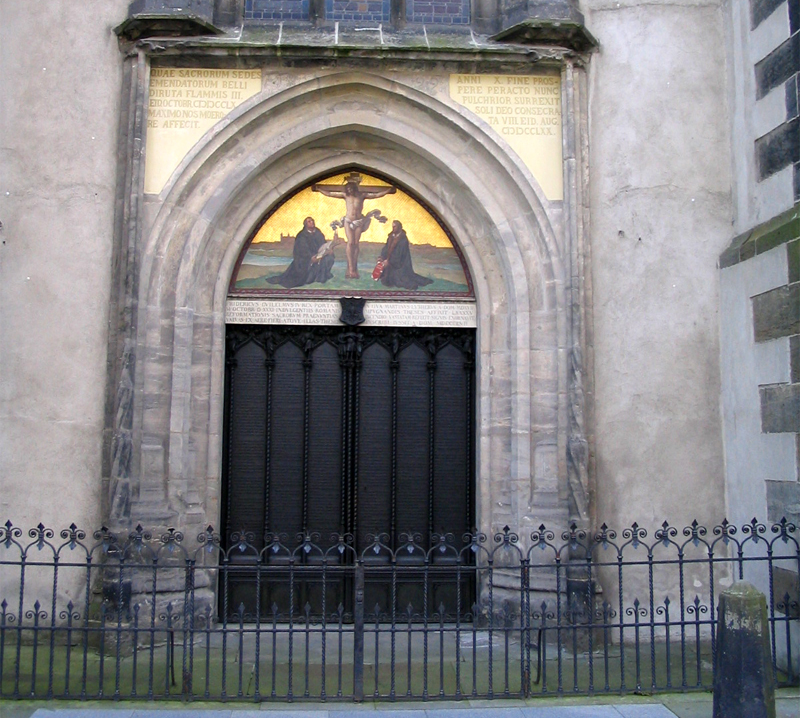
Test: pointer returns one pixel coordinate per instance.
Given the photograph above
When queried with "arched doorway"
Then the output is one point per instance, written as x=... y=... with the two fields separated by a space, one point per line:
x=165 y=446
x=337 y=429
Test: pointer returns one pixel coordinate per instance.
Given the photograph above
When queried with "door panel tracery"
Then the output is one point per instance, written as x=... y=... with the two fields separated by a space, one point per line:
x=337 y=430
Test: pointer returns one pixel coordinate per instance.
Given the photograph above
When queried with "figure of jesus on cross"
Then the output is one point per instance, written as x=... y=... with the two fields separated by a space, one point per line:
x=355 y=222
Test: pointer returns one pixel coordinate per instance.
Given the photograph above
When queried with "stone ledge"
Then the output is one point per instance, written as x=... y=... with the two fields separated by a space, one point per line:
x=549 y=32
x=162 y=25
x=220 y=53
x=296 y=43
x=779 y=230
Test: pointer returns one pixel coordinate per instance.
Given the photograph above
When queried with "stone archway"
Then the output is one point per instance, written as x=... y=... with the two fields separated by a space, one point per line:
x=166 y=465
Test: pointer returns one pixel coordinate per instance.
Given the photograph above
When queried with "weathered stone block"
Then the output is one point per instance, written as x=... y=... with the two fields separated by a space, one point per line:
x=777 y=313
x=747 y=251
x=793 y=255
x=794 y=359
x=729 y=257
x=544 y=409
x=743 y=682
x=170 y=580
x=783 y=501
x=778 y=148
x=770 y=240
x=228 y=12
x=780 y=408
x=775 y=68
x=760 y=10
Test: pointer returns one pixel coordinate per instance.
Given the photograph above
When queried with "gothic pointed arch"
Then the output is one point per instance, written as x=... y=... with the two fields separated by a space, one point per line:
x=271 y=148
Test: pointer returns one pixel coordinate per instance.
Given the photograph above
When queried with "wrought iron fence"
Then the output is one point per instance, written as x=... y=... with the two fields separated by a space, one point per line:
x=139 y=616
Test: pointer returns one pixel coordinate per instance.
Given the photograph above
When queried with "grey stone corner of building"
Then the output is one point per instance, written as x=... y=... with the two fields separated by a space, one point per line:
x=168 y=18
x=543 y=31
x=779 y=230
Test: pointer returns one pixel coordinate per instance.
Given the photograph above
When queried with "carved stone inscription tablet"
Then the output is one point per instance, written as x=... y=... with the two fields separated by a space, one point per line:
x=328 y=311
x=525 y=110
x=184 y=104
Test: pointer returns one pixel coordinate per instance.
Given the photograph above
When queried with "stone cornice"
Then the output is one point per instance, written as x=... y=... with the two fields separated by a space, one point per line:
x=573 y=35
x=181 y=51
x=779 y=230
x=302 y=48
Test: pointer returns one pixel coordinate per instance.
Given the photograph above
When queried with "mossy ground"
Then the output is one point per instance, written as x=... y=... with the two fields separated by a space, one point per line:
x=239 y=669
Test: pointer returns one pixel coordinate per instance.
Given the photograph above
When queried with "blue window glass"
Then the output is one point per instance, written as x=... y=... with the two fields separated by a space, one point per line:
x=358 y=10
x=438 y=12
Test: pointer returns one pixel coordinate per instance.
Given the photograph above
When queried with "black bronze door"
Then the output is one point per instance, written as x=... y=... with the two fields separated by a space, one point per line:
x=341 y=430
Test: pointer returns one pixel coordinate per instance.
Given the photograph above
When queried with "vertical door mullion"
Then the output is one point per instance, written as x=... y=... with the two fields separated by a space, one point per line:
x=269 y=364
x=308 y=348
x=345 y=484
x=395 y=367
x=356 y=367
x=431 y=344
x=347 y=430
x=469 y=371
x=230 y=360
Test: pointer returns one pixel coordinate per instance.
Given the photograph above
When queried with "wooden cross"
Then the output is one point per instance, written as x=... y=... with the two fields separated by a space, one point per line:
x=354 y=178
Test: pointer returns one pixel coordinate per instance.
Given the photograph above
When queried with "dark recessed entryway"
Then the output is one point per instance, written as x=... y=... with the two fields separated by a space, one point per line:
x=341 y=430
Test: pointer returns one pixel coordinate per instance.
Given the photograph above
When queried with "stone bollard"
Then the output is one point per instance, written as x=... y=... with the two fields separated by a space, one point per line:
x=743 y=682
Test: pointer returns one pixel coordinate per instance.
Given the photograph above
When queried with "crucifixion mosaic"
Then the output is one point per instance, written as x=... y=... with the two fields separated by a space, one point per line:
x=352 y=233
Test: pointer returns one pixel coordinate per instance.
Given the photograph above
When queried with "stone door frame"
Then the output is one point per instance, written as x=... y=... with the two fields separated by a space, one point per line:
x=174 y=255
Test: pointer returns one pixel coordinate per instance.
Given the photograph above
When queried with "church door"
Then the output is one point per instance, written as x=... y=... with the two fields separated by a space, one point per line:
x=342 y=430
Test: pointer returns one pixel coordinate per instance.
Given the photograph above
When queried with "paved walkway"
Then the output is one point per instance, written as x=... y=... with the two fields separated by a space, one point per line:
x=652 y=710
x=690 y=705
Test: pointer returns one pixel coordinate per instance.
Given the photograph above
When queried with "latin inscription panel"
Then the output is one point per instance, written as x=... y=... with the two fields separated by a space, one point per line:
x=184 y=104
x=327 y=312
x=525 y=110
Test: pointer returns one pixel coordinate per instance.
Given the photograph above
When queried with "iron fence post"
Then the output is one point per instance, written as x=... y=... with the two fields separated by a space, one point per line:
x=525 y=627
x=131 y=654
x=358 y=634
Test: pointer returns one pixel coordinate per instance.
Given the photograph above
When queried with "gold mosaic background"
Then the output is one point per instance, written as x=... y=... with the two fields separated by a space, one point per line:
x=420 y=227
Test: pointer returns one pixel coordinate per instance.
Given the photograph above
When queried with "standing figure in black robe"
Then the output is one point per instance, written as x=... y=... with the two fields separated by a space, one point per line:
x=397 y=269
x=306 y=266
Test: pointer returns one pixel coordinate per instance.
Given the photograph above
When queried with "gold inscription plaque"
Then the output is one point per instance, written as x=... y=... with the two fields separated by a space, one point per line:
x=525 y=110
x=184 y=104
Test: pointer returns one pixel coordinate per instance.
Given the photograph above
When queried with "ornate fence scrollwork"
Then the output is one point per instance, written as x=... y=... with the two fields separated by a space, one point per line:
x=153 y=615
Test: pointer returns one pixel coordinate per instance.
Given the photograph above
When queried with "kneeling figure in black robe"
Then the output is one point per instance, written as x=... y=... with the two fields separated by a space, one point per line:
x=398 y=270
x=306 y=268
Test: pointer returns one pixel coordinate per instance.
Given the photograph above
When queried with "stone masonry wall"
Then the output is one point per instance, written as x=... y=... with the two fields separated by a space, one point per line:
x=763 y=52
x=760 y=278
x=60 y=85
x=661 y=214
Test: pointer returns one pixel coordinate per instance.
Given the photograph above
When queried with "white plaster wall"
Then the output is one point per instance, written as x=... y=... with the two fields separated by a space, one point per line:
x=751 y=457
x=660 y=190
x=754 y=202
x=60 y=90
